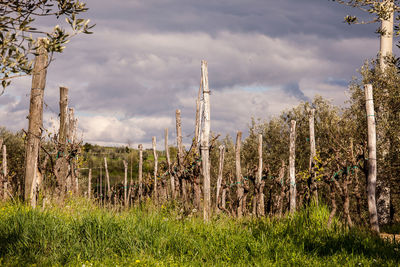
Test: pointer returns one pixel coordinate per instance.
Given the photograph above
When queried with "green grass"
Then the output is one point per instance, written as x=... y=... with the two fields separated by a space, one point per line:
x=83 y=234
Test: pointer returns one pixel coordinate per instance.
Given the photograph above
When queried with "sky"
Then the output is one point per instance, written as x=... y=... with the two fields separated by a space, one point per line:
x=143 y=62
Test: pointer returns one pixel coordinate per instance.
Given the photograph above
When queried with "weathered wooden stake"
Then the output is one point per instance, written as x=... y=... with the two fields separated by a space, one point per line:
x=220 y=175
x=292 y=172
x=140 y=172
x=205 y=138
x=35 y=121
x=172 y=179
x=126 y=184
x=260 y=197
x=63 y=130
x=108 y=179
x=312 y=156
x=239 y=179
x=89 y=184
x=371 y=186
x=5 y=172
x=180 y=154
x=155 y=168
x=197 y=123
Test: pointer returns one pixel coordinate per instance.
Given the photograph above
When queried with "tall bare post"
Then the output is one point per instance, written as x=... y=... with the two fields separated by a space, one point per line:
x=62 y=132
x=312 y=156
x=172 y=179
x=35 y=121
x=386 y=38
x=205 y=138
x=180 y=153
x=220 y=175
x=155 y=168
x=89 y=191
x=5 y=172
x=292 y=172
x=371 y=183
x=197 y=125
x=260 y=197
x=126 y=184
x=239 y=179
x=108 y=179
x=140 y=178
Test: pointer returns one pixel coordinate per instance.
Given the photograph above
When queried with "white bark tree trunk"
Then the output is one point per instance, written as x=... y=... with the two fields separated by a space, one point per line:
x=292 y=171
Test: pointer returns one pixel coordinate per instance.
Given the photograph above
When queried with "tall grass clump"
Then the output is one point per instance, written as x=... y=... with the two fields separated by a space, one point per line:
x=82 y=233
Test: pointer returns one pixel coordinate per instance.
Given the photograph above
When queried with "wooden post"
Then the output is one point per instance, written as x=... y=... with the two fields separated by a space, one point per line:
x=173 y=194
x=140 y=178
x=35 y=121
x=239 y=180
x=260 y=197
x=62 y=132
x=5 y=172
x=197 y=125
x=125 y=183
x=108 y=179
x=312 y=156
x=371 y=184
x=220 y=175
x=205 y=136
x=101 y=183
x=155 y=168
x=180 y=153
x=292 y=172
x=386 y=39
x=89 y=183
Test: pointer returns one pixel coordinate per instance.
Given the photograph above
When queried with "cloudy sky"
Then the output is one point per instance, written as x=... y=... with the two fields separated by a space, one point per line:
x=143 y=62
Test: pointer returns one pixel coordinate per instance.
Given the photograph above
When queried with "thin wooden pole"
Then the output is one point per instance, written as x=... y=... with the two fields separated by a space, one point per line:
x=205 y=136
x=140 y=172
x=292 y=172
x=172 y=179
x=313 y=153
x=239 y=179
x=62 y=132
x=125 y=183
x=90 y=183
x=5 y=172
x=35 y=121
x=180 y=153
x=197 y=125
x=220 y=175
x=155 y=168
x=260 y=197
x=108 y=179
x=371 y=186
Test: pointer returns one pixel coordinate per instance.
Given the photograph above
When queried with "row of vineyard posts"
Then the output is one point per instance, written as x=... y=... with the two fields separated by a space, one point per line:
x=186 y=180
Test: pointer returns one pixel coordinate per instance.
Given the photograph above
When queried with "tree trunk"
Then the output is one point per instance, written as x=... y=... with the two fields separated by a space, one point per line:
x=140 y=178
x=205 y=138
x=260 y=196
x=126 y=184
x=292 y=172
x=220 y=174
x=371 y=187
x=239 y=179
x=386 y=39
x=62 y=132
x=35 y=121
x=155 y=169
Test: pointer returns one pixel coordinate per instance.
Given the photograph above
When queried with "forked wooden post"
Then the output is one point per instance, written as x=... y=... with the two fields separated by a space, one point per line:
x=371 y=184
x=220 y=175
x=239 y=179
x=172 y=179
x=140 y=178
x=260 y=197
x=155 y=168
x=125 y=183
x=292 y=171
x=35 y=121
x=205 y=136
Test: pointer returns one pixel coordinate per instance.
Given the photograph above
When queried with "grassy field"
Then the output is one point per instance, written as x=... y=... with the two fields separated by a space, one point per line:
x=82 y=234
